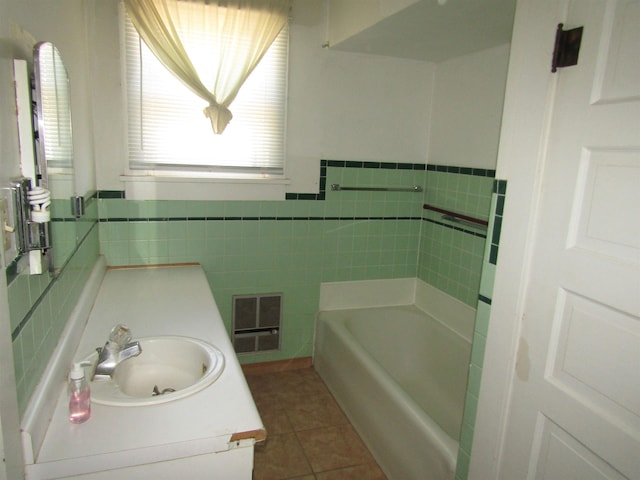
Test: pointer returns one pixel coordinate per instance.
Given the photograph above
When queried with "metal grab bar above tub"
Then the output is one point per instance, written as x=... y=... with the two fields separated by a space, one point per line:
x=336 y=187
x=458 y=217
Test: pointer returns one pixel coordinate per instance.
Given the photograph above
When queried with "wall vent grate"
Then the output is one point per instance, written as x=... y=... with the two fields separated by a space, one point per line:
x=256 y=322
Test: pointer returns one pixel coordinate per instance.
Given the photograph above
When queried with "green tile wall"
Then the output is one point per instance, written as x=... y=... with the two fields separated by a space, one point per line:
x=40 y=307
x=288 y=246
x=481 y=328
x=450 y=253
x=292 y=246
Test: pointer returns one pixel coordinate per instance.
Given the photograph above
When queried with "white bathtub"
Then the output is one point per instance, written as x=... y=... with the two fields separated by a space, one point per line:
x=400 y=376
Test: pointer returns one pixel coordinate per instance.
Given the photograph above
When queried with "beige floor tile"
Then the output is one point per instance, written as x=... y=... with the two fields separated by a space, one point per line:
x=293 y=387
x=267 y=383
x=324 y=441
x=273 y=415
x=331 y=448
x=370 y=471
x=258 y=383
x=276 y=422
x=280 y=457
x=315 y=411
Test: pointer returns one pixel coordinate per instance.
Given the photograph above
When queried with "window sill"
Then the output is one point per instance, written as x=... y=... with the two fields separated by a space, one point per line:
x=143 y=187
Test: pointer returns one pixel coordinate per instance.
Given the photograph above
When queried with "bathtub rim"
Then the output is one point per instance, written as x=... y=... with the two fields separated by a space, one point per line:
x=450 y=311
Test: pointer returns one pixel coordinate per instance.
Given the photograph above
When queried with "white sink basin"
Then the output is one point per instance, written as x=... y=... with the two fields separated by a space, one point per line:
x=169 y=368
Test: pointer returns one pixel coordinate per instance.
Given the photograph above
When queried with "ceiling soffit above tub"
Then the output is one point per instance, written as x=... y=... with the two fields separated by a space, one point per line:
x=427 y=30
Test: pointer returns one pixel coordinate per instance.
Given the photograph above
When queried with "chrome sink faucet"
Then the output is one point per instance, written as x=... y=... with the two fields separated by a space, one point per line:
x=118 y=348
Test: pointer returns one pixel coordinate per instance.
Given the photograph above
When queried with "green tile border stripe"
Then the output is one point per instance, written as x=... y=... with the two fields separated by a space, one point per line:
x=270 y=218
x=476 y=172
x=379 y=165
x=232 y=219
x=23 y=323
x=499 y=189
x=110 y=194
x=484 y=299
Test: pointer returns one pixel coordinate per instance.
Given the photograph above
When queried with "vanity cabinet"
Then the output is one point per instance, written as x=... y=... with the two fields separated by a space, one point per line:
x=209 y=434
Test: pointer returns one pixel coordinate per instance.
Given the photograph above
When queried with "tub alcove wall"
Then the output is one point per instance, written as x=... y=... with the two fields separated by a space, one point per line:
x=439 y=130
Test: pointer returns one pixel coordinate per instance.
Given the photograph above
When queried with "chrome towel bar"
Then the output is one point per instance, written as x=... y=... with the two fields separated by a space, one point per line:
x=336 y=187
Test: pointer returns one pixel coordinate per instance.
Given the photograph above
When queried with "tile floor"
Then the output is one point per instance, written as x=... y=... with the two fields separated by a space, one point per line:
x=308 y=436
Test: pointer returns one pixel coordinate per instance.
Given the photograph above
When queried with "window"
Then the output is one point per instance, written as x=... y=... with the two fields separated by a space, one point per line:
x=169 y=134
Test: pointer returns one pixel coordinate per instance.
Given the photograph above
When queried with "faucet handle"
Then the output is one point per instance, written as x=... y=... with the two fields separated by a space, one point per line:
x=120 y=335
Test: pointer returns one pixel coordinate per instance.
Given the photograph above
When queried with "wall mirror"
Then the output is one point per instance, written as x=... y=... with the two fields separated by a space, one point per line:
x=54 y=145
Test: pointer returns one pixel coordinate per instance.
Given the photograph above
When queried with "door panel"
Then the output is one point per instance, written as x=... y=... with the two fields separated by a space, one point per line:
x=561 y=456
x=576 y=413
x=607 y=187
x=616 y=78
x=589 y=340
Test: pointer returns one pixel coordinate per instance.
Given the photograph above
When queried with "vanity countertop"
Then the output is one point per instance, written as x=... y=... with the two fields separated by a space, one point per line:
x=174 y=300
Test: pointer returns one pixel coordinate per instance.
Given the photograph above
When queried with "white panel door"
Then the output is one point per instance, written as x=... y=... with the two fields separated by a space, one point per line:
x=575 y=398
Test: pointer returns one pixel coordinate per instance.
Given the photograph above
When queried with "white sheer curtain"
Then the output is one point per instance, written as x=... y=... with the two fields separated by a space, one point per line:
x=239 y=32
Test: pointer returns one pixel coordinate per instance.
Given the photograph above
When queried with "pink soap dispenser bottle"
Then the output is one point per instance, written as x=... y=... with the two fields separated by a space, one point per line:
x=79 y=394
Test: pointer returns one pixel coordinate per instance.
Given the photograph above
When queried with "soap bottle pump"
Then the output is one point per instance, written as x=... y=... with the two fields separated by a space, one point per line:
x=79 y=394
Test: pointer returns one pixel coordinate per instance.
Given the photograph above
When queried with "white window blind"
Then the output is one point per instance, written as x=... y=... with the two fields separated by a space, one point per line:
x=169 y=133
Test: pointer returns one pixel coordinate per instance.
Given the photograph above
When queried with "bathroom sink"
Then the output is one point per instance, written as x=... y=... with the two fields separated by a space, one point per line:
x=169 y=368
